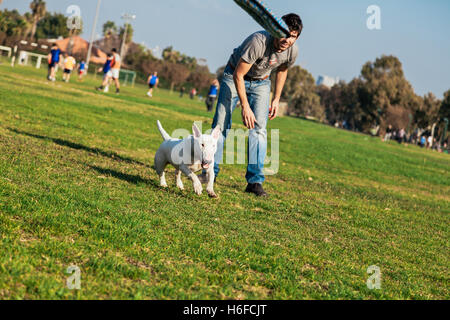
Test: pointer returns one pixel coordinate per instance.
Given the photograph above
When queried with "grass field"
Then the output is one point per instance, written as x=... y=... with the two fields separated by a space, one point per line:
x=77 y=188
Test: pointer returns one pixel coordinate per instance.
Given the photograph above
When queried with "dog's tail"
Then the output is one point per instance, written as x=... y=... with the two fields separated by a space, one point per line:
x=163 y=132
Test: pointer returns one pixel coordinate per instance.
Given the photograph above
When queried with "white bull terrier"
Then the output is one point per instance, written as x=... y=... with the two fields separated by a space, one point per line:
x=189 y=155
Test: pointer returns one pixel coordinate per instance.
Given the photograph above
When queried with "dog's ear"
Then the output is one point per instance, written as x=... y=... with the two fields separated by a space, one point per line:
x=196 y=131
x=216 y=133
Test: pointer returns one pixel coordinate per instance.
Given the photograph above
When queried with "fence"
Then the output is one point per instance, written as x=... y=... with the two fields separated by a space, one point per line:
x=26 y=58
x=6 y=49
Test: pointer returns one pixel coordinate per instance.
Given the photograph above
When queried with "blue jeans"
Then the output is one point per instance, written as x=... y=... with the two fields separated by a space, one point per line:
x=258 y=94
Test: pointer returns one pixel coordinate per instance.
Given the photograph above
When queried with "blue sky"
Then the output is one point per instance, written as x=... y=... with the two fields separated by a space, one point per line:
x=335 y=40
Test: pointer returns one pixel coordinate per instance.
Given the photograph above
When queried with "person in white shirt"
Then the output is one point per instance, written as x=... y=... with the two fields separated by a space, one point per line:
x=115 y=69
x=430 y=142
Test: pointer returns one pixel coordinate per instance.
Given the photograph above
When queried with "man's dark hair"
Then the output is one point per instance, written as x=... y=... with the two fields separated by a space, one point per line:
x=294 y=22
x=114 y=50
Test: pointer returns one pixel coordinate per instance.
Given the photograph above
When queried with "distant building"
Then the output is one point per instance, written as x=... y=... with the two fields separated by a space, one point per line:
x=327 y=81
x=78 y=47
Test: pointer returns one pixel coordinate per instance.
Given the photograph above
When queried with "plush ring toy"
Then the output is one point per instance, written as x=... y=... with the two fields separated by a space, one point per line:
x=259 y=11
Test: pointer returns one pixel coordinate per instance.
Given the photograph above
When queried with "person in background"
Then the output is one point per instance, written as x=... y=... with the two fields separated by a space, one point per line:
x=212 y=95
x=152 y=81
x=429 y=142
x=193 y=93
x=182 y=89
x=423 y=141
x=115 y=69
x=106 y=73
x=53 y=61
x=436 y=145
x=401 y=135
x=81 y=70
x=69 y=64
x=388 y=134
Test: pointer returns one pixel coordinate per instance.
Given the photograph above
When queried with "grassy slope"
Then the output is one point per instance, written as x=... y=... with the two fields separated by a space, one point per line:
x=76 y=187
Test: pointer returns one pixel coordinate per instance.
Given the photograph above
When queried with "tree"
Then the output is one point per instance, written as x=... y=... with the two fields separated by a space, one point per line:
x=38 y=10
x=151 y=65
x=444 y=111
x=300 y=92
x=384 y=86
x=109 y=29
x=53 y=25
x=13 y=24
x=175 y=73
x=130 y=32
x=171 y=55
x=298 y=80
x=334 y=102
x=200 y=78
x=137 y=57
x=428 y=112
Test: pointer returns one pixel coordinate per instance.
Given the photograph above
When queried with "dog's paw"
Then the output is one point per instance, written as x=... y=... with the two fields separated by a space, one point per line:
x=198 y=188
x=212 y=194
x=180 y=186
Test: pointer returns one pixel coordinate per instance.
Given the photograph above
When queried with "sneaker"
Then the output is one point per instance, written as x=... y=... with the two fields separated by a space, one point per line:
x=149 y=94
x=257 y=189
x=99 y=88
x=117 y=91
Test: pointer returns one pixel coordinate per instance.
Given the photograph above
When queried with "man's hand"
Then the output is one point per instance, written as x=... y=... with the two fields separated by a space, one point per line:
x=273 y=111
x=248 y=117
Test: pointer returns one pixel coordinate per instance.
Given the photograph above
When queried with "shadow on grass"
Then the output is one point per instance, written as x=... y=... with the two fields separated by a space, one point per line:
x=134 y=179
x=77 y=146
x=124 y=176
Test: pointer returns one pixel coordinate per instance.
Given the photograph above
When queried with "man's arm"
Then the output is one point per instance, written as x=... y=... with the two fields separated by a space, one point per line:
x=279 y=84
x=247 y=114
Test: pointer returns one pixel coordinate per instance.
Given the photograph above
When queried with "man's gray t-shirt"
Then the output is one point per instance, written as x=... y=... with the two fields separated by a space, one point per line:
x=258 y=50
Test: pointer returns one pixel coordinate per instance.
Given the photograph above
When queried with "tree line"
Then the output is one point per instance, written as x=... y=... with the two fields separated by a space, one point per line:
x=176 y=69
x=379 y=97
x=34 y=25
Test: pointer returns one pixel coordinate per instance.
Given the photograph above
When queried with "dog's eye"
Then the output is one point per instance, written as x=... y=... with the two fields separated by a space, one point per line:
x=203 y=145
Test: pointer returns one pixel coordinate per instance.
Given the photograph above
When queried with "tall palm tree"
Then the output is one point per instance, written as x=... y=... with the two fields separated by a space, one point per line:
x=38 y=9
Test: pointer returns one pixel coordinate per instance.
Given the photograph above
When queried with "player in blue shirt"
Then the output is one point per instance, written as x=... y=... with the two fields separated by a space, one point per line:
x=53 y=60
x=107 y=74
x=212 y=95
x=81 y=70
x=152 y=81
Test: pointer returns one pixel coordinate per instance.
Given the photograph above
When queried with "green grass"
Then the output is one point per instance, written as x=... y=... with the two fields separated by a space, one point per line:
x=77 y=188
